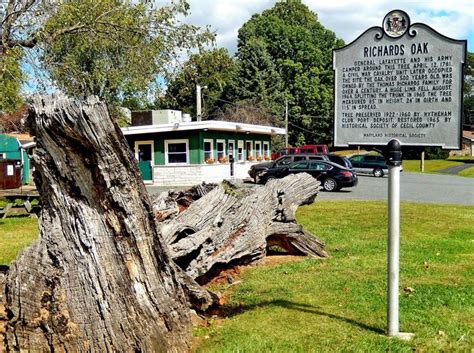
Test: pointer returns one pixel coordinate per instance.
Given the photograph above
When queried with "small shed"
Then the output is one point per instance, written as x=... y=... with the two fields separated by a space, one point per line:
x=10 y=174
x=15 y=147
x=173 y=150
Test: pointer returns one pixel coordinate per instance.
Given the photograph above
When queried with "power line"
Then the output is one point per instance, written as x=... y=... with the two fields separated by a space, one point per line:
x=301 y=128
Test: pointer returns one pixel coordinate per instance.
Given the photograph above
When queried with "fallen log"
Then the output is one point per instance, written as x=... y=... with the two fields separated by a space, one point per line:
x=100 y=278
x=232 y=225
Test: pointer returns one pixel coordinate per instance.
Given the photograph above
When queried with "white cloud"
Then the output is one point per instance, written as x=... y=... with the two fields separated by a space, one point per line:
x=347 y=18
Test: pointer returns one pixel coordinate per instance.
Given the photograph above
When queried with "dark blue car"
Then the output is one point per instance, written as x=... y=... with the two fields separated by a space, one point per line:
x=332 y=176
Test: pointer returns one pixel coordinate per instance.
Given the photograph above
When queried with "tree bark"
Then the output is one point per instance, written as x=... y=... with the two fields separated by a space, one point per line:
x=232 y=225
x=100 y=278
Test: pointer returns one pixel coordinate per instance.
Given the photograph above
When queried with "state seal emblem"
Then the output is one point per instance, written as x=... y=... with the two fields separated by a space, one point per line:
x=396 y=23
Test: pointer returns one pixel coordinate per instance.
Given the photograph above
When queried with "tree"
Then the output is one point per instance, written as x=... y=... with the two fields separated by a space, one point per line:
x=468 y=102
x=257 y=80
x=112 y=48
x=214 y=69
x=11 y=79
x=301 y=49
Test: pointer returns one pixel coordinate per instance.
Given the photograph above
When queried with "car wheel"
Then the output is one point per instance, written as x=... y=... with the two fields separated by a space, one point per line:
x=330 y=184
x=378 y=172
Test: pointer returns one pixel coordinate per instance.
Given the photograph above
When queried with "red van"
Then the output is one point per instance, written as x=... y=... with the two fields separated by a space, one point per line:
x=314 y=149
x=306 y=149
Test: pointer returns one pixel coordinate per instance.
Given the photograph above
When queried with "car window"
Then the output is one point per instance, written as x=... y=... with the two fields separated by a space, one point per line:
x=299 y=158
x=320 y=166
x=370 y=158
x=357 y=158
x=336 y=159
x=318 y=158
x=300 y=165
x=284 y=161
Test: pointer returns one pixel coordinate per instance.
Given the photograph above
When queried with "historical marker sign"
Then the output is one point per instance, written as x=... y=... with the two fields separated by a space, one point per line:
x=399 y=81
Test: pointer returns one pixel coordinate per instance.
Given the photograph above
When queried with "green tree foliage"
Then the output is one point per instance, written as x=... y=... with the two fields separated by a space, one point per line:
x=301 y=49
x=11 y=79
x=114 y=49
x=257 y=80
x=213 y=69
x=468 y=103
x=126 y=45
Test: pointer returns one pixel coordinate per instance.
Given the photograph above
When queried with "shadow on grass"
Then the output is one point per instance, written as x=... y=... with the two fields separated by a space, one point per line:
x=463 y=160
x=229 y=311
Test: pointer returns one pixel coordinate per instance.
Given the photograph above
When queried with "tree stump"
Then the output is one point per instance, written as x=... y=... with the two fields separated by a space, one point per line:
x=231 y=225
x=100 y=278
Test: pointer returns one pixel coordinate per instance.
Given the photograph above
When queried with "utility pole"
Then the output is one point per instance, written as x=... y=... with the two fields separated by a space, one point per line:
x=286 y=122
x=198 y=101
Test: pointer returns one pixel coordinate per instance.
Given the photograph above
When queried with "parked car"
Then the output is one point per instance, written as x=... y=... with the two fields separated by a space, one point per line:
x=341 y=160
x=257 y=169
x=332 y=176
x=369 y=164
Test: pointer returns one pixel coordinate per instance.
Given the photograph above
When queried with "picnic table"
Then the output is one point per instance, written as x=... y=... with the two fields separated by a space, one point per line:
x=25 y=207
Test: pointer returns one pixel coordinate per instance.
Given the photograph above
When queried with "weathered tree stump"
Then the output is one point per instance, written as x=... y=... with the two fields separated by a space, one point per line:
x=100 y=278
x=232 y=225
x=103 y=275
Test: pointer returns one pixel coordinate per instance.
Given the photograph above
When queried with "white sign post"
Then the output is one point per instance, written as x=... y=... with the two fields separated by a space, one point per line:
x=398 y=84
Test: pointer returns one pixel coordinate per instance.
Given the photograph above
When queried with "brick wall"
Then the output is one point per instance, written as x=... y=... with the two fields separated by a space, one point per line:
x=185 y=175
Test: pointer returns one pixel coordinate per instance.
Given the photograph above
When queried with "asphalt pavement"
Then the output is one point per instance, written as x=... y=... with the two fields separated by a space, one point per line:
x=414 y=187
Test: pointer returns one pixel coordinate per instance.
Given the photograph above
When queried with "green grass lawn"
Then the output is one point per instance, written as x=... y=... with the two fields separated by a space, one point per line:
x=339 y=304
x=15 y=234
x=431 y=166
x=469 y=172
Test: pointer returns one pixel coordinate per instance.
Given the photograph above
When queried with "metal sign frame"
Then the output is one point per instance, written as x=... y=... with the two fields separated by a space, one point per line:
x=380 y=33
x=396 y=25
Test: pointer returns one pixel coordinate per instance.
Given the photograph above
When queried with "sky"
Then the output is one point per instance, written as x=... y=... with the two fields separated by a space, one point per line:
x=348 y=19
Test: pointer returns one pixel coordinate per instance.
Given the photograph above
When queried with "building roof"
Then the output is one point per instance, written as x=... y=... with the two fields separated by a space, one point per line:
x=468 y=135
x=212 y=125
x=23 y=138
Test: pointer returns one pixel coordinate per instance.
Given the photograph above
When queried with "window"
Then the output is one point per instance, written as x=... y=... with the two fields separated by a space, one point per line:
x=208 y=154
x=284 y=161
x=300 y=165
x=357 y=158
x=3 y=156
x=230 y=148
x=258 y=149
x=320 y=166
x=266 y=150
x=248 y=150
x=240 y=151
x=220 y=150
x=176 y=151
x=299 y=158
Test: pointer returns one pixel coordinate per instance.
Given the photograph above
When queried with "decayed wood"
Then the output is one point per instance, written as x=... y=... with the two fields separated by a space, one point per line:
x=100 y=278
x=232 y=225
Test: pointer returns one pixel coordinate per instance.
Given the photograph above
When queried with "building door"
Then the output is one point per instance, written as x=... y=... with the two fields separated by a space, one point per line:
x=144 y=155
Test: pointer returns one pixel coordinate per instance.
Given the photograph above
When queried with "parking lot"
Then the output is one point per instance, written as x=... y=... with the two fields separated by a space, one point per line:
x=415 y=187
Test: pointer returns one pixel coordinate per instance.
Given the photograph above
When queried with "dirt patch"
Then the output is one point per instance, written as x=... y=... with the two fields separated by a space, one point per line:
x=227 y=276
x=281 y=259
